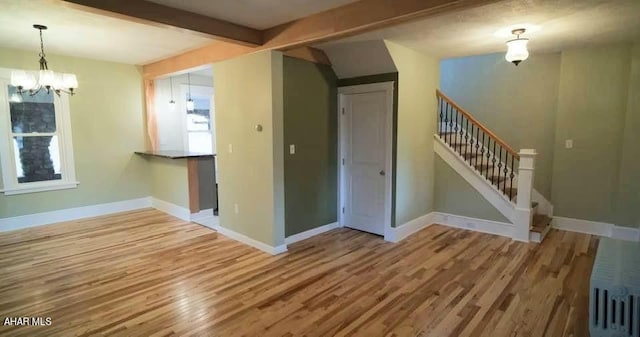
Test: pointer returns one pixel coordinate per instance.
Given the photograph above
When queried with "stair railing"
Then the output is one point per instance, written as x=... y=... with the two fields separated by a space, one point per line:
x=489 y=155
x=482 y=149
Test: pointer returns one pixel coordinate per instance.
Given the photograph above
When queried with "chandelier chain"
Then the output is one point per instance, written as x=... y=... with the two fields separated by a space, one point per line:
x=41 y=44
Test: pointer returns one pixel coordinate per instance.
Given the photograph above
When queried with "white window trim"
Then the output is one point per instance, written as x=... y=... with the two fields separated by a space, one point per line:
x=7 y=160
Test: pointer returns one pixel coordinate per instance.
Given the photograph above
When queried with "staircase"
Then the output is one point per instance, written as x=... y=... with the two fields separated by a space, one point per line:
x=502 y=175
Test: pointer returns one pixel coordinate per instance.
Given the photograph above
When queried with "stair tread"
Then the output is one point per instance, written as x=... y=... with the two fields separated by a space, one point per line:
x=540 y=223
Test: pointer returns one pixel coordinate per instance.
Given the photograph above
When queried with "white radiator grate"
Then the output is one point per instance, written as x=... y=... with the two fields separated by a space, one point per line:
x=614 y=309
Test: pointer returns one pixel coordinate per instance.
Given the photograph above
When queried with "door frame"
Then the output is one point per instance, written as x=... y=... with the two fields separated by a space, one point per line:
x=386 y=87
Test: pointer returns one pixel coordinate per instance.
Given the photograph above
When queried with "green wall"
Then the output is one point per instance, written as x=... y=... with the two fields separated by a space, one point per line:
x=169 y=180
x=418 y=77
x=249 y=92
x=518 y=103
x=380 y=78
x=589 y=95
x=591 y=110
x=107 y=122
x=311 y=123
x=454 y=195
x=628 y=206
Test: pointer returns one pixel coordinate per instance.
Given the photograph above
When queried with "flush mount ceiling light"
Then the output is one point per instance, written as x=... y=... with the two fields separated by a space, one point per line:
x=47 y=79
x=190 y=104
x=517 y=48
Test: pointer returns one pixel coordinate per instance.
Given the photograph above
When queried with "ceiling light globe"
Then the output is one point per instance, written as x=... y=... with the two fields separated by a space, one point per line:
x=18 y=78
x=47 y=78
x=69 y=81
x=190 y=105
x=517 y=51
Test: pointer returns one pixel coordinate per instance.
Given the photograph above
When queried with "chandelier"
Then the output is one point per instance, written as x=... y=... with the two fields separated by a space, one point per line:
x=517 y=48
x=48 y=80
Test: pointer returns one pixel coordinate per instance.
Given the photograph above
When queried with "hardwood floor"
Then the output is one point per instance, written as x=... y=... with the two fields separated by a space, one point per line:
x=145 y=273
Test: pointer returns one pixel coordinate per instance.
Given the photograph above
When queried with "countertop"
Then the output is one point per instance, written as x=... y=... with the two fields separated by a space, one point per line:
x=175 y=154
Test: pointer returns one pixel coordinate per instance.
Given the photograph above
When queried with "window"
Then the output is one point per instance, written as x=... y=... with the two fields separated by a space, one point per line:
x=36 y=152
x=199 y=126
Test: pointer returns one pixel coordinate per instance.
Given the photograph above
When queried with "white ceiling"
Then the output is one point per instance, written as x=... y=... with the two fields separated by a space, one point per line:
x=346 y=58
x=78 y=33
x=205 y=71
x=563 y=24
x=259 y=14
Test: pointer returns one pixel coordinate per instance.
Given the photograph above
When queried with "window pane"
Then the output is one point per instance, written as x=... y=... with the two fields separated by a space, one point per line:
x=37 y=158
x=200 y=142
x=32 y=113
x=198 y=119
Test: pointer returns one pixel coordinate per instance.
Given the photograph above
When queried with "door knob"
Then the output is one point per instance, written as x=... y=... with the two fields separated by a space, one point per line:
x=382 y=173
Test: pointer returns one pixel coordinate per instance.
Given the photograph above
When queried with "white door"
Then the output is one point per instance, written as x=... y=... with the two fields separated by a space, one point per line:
x=365 y=167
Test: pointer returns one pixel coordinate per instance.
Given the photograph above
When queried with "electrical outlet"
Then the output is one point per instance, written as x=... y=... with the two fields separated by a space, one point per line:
x=236 y=209
x=292 y=149
x=568 y=143
x=230 y=148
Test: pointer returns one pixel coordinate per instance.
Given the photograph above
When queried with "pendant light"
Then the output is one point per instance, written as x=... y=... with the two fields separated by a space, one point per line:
x=47 y=79
x=190 y=104
x=172 y=103
x=517 y=48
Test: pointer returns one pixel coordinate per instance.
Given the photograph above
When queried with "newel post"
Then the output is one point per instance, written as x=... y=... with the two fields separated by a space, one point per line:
x=523 y=215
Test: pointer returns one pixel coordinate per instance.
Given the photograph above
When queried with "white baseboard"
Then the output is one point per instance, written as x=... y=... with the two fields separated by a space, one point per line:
x=399 y=233
x=451 y=220
x=179 y=212
x=596 y=228
x=251 y=242
x=206 y=218
x=202 y=214
x=474 y=224
x=70 y=214
x=582 y=226
x=312 y=232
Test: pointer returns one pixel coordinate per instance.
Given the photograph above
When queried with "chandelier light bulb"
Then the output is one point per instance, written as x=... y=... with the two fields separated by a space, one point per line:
x=190 y=105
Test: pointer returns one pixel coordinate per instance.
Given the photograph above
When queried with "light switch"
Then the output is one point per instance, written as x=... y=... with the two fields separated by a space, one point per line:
x=292 y=149
x=230 y=148
x=568 y=143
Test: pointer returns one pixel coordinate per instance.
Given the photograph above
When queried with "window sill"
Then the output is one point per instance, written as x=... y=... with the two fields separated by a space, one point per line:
x=40 y=188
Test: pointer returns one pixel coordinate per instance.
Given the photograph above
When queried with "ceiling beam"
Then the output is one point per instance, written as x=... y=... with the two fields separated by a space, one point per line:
x=351 y=19
x=358 y=17
x=215 y=52
x=309 y=54
x=151 y=13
